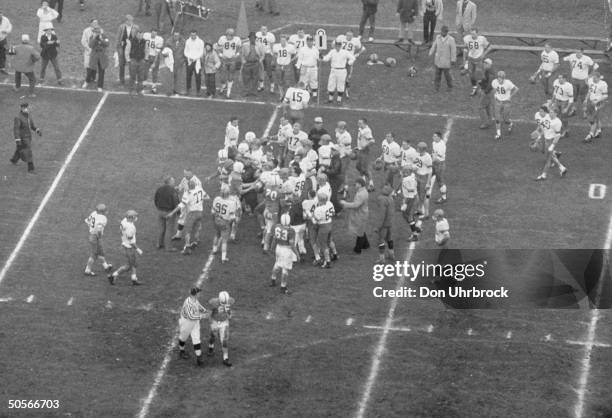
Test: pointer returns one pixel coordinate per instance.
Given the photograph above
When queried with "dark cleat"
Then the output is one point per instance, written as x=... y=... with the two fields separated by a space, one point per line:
x=227 y=363
x=183 y=354
x=111 y=279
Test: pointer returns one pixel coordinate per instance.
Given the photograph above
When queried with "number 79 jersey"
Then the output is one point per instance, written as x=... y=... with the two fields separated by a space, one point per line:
x=96 y=223
x=297 y=98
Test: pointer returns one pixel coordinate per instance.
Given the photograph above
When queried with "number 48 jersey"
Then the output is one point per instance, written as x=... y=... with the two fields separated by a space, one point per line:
x=297 y=98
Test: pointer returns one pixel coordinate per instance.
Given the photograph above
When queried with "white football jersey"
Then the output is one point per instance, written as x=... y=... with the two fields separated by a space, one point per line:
x=438 y=151
x=543 y=121
x=193 y=199
x=229 y=46
x=266 y=40
x=323 y=214
x=580 y=66
x=353 y=45
x=232 y=134
x=283 y=54
x=344 y=141
x=408 y=156
x=409 y=186
x=184 y=184
x=307 y=57
x=563 y=92
x=293 y=142
x=597 y=91
x=284 y=132
x=391 y=151
x=153 y=46
x=475 y=47
x=549 y=59
x=442 y=230
x=297 y=41
x=423 y=164
x=554 y=129
x=128 y=233
x=364 y=136
x=325 y=155
x=226 y=209
x=503 y=89
x=297 y=98
x=96 y=223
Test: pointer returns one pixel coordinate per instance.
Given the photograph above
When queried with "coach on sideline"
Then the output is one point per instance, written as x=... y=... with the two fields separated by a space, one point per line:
x=22 y=130
x=166 y=200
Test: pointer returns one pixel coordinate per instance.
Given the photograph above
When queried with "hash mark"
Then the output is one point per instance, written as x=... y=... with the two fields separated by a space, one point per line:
x=30 y=299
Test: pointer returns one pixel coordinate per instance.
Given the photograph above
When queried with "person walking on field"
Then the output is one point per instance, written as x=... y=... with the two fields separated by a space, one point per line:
x=370 y=7
x=22 y=131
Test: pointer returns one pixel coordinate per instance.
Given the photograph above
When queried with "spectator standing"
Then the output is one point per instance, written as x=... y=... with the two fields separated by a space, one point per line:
x=444 y=51
x=155 y=43
x=59 y=6
x=48 y=52
x=384 y=223
x=88 y=33
x=25 y=57
x=431 y=10
x=370 y=7
x=22 y=131
x=5 y=29
x=271 y=5
x=486 y=94
x=177 y=44
x=407 y=10
x=317 y=132
x=138 y=66
x=194 y=51
x=335 y=176
x=252 y=57
x=465 y=18
x=166 y=200
x=98 y=61
x=46 y=16
x=211 y=64
x=126 y=33
x=358 y=214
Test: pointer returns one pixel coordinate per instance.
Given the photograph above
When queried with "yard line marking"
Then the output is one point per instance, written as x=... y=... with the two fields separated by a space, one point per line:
x=548 y=337
x=69 y=303
x=509 y=335
x=171 y=347
x=269 y=315
x=349 y=322
x=308 y=319
x=430 y=329
x=592 y=330
x=470 y=332
x=400 y=329
x=109 y=305
x=6 y=299
x=382 y=342
x=594 y=343
x=47 y=197
x=30 y=299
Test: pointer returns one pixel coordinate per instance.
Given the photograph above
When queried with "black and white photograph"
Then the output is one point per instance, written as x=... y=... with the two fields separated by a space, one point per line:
x=324 y=208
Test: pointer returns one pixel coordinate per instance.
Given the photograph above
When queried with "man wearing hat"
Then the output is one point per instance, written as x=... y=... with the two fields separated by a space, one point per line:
x=22 y=130
x=48 y=52
x=25 y=57
x=307 y=63
x=128 y=242
x=317 y=132
x=252 y=57
x=189 y=325
x=486 y=93
x=126 y=33
x=340 y=59
x=5 y=28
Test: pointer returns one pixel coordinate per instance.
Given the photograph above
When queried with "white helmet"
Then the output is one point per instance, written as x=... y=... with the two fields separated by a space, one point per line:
x=250 y=136
x=222 y=154
x=285 y=219
x=238 y=167
x=224 y=297
x=243 y=148
x=322 y=195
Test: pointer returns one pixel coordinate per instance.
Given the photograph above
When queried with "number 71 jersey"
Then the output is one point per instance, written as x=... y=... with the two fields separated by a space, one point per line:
x=297 y=98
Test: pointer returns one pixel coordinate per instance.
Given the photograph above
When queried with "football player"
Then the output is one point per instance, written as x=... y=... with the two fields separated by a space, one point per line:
x=542 y=119
x=322 y=217
x=295 y=102
x=308 y=207
x=128 y=242
x=308 y=64
x=272 y=186
x=154 y=45
x=232 y=132
x=408 y=189
x=344 y=144
x=224 y=210
x=293 y=142
x=267 y=40
x=220 y=315
x=552 y=133
x=340 y=60
x=182 y=188
x=504 y=91
x=352 y=45
x=365 y=140
x=547 y=70
x=423 y=167
x=96 y=222
x=193 y=203
x=230 y=46
x=280 y=140
x=596 y=99
x=563 y=99
x=286 y=255
x=236 y=190
x=298 y=40
x=438 y=156
x=476 y=48
x=581 y=66
x=284 y=53
x=391 y=154
x=408 y=153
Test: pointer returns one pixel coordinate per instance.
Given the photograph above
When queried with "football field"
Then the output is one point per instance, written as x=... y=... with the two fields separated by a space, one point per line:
x=330 y=348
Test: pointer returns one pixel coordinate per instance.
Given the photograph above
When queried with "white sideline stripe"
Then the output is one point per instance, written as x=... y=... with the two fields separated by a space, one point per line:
x=399 y=329
x=382 y=342
x=548 y=337
x=69 y=303
x=308 y=319
x=595 y=344
x=30 y=299
x=592 y=330
x=47 y=197
x=509 y=335
x=470 y=332
x=430 y=329
x=171 y=347
x=6 y=299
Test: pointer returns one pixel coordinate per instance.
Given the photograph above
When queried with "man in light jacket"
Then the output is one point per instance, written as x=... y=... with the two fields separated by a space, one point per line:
x=25 y=57
x=358 y=215
x=466 y=17
x=5 y=29
x=444 y=51
x=88 y=33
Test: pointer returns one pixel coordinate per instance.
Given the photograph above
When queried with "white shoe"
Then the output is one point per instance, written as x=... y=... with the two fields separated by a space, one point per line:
x=84 y=86
x=370 y=39
x=100 y=90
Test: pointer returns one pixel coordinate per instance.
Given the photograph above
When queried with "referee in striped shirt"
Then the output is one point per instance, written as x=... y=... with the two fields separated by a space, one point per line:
x=189 y=324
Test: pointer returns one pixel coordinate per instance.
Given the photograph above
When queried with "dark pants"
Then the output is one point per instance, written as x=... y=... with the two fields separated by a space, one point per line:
x=198 y=77
x=92 y=73
x=447 y=76
x=23 y=152
x=59 y=6
x=122 y=64
x=164 y=225
x=31 y=78
x=361 y=243
x=43 y=68
x=486 y=107
x=147 y=6
x=369 y=13
x=429 y=26
x=137 y=74
x=250 y=76
x=2 y=54
x=211 y=85
x=153 y=63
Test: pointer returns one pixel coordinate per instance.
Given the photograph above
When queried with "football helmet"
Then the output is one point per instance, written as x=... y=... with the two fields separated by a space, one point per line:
x=390 y=62
x=285 y=219
x=412 y=71
x=224 y=297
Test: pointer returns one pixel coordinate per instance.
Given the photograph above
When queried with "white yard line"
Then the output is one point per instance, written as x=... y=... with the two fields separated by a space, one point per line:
x=382 y=343
x=47 y=197
x=585 y=362
x=172 y=344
